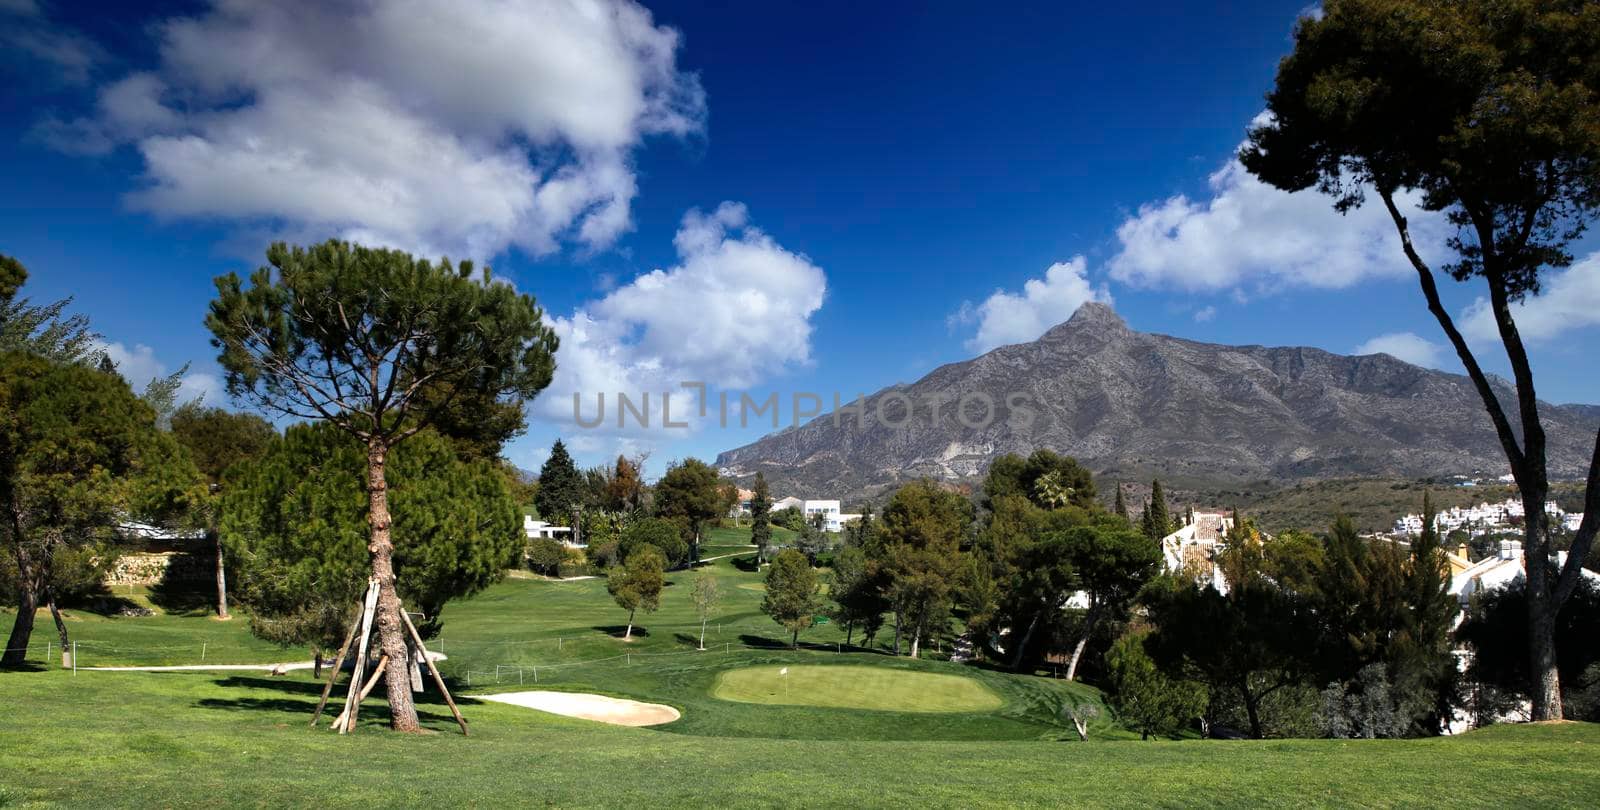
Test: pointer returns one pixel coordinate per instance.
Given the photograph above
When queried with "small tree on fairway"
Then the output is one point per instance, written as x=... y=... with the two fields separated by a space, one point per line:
x=791 y=598
x=637 y=583
x=1485 y=110
x=761 y=518
x=379 y=344
x=706 y=597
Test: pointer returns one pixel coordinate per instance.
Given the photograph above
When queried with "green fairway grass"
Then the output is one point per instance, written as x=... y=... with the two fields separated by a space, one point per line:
x=855 y=687
x=223 y=740
x=228 y=739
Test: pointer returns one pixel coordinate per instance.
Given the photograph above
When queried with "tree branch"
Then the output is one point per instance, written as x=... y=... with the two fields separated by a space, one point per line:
x=1583 y=541
x=1430 y=291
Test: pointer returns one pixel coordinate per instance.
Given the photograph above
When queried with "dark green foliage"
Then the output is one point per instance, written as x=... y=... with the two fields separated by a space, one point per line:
x=545 y=555
x=217 y=439
x=79 y=453
x=1146 y=699
x=1048 y=479
x=791 y=598
x=791 y=518
x=42 y=329
x=1120 y=505
x=561 y=487
x=1253 y=642
x=295 y=528
x=857 y=593
x=689 y=494
x=658 y=533
x=1157 y=521
x=376 y=341
x=924 y=527
x=761 y=516
x=1496 y=632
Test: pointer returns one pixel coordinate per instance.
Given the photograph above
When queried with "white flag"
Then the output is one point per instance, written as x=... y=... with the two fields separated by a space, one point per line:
x=784 y=671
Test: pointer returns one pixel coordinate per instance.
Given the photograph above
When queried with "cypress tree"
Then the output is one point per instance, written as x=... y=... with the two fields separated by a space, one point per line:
x=1122 y=503
x=761 y=517
x=561 y=486
x=1160 y=519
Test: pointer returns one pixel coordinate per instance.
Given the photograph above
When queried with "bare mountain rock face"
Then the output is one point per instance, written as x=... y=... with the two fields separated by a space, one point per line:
x=1136 y=404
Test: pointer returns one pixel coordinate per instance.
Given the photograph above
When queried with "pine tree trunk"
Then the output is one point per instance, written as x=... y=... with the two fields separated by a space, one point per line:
x=391 y=628
x=702 y=632
x=16 y=651
x=222 y=579
x=849 y=630
x=629 y=633
x=897 y=632
x=1546 y=679
x=794 y=641
x=1022 y=646
x=1089 y=621
x=1252 y=709
x=61 y=630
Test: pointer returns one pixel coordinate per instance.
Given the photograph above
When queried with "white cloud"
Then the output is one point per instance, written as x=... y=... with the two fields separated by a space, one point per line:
x=1205 y=314
x=734 y=311
x=1407 y=346
x=465 y=127
x=1249 y=233
x=1005 y=318
x=1570 y=300
x=139 y=365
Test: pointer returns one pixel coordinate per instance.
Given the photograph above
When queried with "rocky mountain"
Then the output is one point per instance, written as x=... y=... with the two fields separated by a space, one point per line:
x=1133 y=405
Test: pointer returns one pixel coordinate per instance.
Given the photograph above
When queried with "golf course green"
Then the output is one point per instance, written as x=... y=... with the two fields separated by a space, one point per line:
x=855 y=687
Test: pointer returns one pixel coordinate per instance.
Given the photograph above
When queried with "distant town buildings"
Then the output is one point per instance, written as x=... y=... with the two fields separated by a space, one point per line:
x=1485 y=517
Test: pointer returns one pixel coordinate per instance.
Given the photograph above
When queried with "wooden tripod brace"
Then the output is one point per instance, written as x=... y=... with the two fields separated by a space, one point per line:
x=346 y=721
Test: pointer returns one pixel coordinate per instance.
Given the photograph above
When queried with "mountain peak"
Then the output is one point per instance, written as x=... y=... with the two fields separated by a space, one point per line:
x=1092 y=316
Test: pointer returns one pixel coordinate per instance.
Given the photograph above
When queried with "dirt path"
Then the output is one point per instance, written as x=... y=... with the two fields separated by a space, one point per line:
x=287 y=666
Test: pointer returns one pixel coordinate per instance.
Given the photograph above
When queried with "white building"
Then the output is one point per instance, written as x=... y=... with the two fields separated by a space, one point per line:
x=1484 y=516
x=539 y=529
x=1192 y=548
x=1498 y=571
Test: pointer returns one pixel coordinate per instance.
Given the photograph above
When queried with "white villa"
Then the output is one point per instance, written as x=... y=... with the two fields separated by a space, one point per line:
x=833 y=520
x=1191 y=548
x=536 y=529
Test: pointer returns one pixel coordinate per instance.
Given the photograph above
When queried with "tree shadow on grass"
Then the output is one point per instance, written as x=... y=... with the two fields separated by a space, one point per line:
x=617 y=630
x=299 y=697
x=745 y=564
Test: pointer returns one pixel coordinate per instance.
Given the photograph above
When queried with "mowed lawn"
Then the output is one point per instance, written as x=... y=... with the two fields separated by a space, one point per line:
x=204 y=740
x=855 y=687
x=106 y=739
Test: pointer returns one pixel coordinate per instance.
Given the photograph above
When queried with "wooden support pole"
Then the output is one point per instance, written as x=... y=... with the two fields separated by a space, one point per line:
x=346 y=716
x=351 y=704
x=334 y=675
x=433 y=670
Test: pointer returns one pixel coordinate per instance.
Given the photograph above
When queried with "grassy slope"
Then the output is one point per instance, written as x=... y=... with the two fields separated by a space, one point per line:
x=102 y=739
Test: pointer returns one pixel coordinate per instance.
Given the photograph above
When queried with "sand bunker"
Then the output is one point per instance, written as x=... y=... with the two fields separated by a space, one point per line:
x=615 y=711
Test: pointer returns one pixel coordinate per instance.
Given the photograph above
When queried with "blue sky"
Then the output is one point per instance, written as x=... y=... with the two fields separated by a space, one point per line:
x=905 y=184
